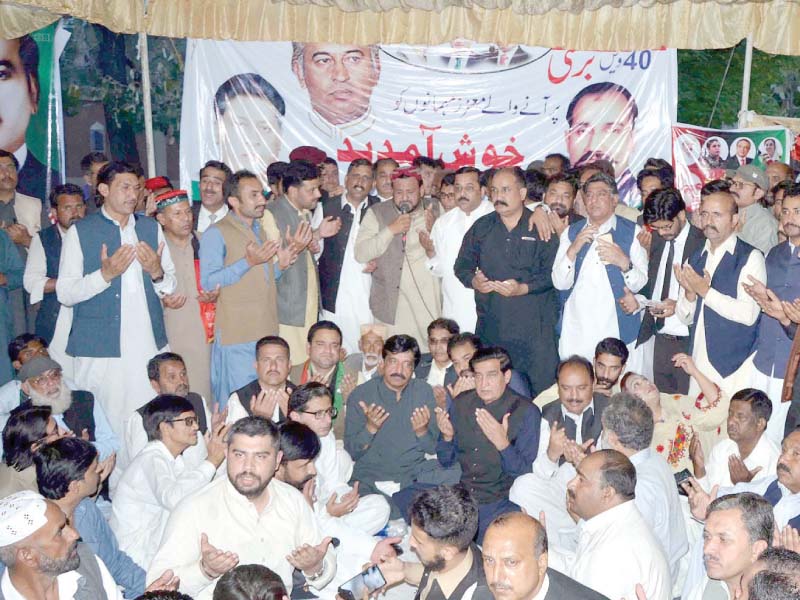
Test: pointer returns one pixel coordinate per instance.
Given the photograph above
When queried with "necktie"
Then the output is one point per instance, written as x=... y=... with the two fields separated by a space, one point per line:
x=667 y=278
x=212 y=218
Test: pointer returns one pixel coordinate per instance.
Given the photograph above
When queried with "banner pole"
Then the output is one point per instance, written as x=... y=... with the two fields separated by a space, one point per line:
x=144 y=59
x=748 y=65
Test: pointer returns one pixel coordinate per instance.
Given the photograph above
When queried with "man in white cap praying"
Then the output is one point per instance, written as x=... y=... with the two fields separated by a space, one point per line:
x=44 y=559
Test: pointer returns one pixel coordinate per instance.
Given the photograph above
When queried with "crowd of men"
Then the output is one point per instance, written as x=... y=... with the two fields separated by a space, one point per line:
x=539 y=391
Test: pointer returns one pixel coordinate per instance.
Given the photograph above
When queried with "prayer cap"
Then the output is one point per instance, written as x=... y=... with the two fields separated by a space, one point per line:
x=21 y=515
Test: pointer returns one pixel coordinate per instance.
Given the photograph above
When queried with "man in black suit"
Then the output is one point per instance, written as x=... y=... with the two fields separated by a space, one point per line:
x=515 y=563
x=662 y=334
x=433 y=365
x=740 y=158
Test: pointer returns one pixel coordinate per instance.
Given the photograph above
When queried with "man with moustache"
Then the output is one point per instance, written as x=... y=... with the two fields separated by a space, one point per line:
x=365 y=363
x=758 y=227
x=384 y=167
x=189 y=317
x=508 y=268
x=444 y=242
x=252 y=519
x=559 y=197
x=404 y=295
x=41 y=269
x=344 y=282
x=775 y=330
x=713 y=300
x=515 y=563
x=212 y=206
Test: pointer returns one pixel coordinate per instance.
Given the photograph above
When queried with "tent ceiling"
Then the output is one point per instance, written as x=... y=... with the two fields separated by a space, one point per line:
x=580 y=24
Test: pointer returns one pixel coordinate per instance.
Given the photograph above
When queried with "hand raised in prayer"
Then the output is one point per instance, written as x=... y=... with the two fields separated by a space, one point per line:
x=218 y=417
x=115 y=265
x=168 y=582
x=685 y=362
x=173 y=301
x=105 y=467
x=214 y=562
x=645 y=239
x=308 y=491
x=574 y=453
x=329 y=227
x=755 y=289
x=444 y=424
x=440 y=395
x=309 y=558
x=263 y=405
x=301 y=238
x=376 y=416
x=481 y=283
x=541 y=221
x=789 y=538
x=209 y=297
x=739 y=471
x=628 y=302
x=640 y=593
x=420 y=417
x=427 y=243
x=773 y=307
x=370 y=266
x=792 y=310
x=585 y=236
x=696 y=283
x=19 y=234
x=699 y=499
x=150 y=259
x=258 y=254
x=338 y=507
x=349 y=382
x=495 y=432
x=557 y=443
x=697 y=457
x=401 y=224
x=215 y=443
x=430 y=218
x=287 y=256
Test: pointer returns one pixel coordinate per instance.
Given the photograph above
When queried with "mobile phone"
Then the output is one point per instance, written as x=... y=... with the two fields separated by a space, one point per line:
x=363 y=584
x=682 y=477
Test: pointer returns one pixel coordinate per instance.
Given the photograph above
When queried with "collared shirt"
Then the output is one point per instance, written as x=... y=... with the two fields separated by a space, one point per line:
x=449 y=580
x=233 y=524
x=204 y=217
x=437 y=374
x=590 y=313
x=458 y=301
x=759 y=227
x=542 y=593
x=546 y=468
x=67 y=585
x=765 y=455
x=35 y=277
x=152 y=486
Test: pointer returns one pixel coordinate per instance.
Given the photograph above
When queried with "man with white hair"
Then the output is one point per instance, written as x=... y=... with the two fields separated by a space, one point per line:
x=366 y=362
x=44 y=559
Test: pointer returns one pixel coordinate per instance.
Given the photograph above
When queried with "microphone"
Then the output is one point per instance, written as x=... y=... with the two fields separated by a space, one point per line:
x=404 y=208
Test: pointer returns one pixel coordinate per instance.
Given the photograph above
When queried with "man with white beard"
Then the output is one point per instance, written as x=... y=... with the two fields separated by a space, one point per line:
x=78 y=411
x=366 y=362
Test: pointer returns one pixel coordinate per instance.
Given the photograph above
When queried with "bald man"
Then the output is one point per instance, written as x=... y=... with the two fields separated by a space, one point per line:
x=515 y=563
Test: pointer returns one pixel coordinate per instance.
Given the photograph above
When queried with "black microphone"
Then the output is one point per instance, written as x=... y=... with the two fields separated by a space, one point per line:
x=404 y=209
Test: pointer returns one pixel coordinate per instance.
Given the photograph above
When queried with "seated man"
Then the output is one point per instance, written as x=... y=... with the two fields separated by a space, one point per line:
x=747 y=454
x=365 y=363
x=75 y=411
x=250 y=518
x=610 y=359
x=517 y=568
x=434 y=364
x=459 y=378
x=492 y=432
x=158 y=480
x=311 y=405
x=389 y=427
x=679 y=418
x=776 y=570
x=268 y=395
x=616 y=548
x=68 y=473
x=444 y=521
x=569 y=427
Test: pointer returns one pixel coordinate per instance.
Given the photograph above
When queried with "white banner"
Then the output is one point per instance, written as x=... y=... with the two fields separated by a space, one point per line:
x=250 y=103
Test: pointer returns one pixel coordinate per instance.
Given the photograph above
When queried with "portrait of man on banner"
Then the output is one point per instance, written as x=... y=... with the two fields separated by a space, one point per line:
x=339 y=80
x=601 y=120
x=249 y=112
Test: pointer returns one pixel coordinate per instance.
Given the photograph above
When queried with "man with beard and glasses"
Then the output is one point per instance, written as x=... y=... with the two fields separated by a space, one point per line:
x=45 y=559
x=444 y=521
x=158 y=479
x=509 y=268
x=444 y=242
x=250 y=518
x=41 y=269
x=365 y=363
x=77 y=411
x=713 y=300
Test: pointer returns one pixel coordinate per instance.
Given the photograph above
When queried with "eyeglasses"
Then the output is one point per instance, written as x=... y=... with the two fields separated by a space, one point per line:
x=190 y=421
x=600 y=195
x=736 y=184
x=321 y=414
x=46 y=377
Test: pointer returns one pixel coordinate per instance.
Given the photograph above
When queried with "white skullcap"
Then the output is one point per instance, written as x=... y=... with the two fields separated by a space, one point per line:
x=21 y=514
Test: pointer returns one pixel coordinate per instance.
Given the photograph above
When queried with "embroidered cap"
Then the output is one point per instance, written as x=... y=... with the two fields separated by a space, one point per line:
x=169 y=198
x=21 y=515
x=37 y=366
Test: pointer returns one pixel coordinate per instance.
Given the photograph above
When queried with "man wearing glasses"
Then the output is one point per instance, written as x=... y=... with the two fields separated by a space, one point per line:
x=757 y=225
x=158 y=479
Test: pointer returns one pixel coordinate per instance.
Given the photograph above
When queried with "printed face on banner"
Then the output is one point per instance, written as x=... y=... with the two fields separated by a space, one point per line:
x=487 y=106
x=19 y=90
x=339 y=79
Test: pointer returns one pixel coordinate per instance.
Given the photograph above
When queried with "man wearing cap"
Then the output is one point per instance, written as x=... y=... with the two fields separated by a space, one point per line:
x=404 y=293
x=45 y=559
x=190 y=310
x=77 y=411
x=366 y=362
x=757 y=226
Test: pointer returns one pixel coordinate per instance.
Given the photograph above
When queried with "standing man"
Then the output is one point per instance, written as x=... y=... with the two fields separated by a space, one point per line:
x=404 y=295
x=509 y=267
x=713 y=299
x=11 y=268
x=212 y=206
x=91 y=165
x=384 y=167
x=114 y=271
x=444 y=242
x=598 y=260
x=237 y=256
x=41 y=270
x=662 y=334
x=757 y=225
x=189 y=317
x=345 y=283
